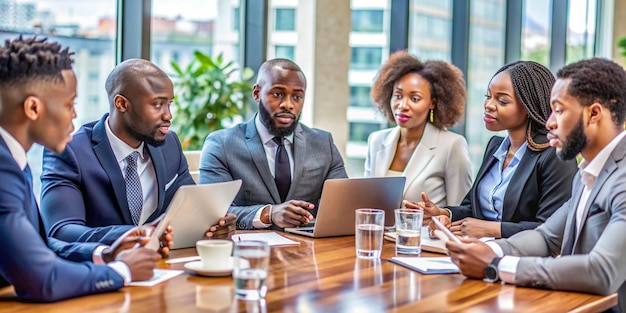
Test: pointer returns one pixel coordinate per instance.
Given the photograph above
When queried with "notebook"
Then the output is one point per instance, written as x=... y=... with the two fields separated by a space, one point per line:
x=341 y=197
x=193 y=210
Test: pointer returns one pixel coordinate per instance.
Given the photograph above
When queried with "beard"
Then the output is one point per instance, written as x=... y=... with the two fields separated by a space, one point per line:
x=268 y=120
x=147 y=138
x=575 y=142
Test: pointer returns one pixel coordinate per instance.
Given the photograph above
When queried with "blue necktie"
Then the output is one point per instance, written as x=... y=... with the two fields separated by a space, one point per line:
x=134 y=194
x=282 y=170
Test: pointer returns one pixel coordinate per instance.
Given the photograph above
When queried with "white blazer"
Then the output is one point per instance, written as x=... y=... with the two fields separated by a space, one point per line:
x=440 y=165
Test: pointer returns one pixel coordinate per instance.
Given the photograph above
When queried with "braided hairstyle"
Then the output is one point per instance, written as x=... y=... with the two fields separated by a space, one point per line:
x=532 y=84
x=32 y=60
x=447 y=86
x=598 y=80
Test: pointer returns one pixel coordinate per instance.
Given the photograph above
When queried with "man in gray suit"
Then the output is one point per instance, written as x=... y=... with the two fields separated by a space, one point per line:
x=282 y=163
x=589 y=230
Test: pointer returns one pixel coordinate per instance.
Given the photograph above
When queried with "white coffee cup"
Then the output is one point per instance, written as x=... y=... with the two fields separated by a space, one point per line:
x=216 y=254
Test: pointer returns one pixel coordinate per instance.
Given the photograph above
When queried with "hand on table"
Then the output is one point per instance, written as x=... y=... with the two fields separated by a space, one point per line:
x=476 y=228
x=140 y=260
x=471 y=256
x=292 y=213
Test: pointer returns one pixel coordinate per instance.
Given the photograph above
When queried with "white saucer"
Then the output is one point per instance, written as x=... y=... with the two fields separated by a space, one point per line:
x=196 y=267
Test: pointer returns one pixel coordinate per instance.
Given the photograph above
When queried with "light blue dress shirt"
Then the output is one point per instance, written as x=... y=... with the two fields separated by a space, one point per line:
x=492 y=187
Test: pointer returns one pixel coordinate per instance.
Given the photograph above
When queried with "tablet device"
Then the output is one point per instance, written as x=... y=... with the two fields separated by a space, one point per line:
x=446 y=231
x=193 y=210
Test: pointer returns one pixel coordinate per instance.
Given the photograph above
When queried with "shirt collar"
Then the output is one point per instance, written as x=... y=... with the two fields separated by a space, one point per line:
x=503 y=149
x=264 y=133
x=120 y=149
x=591 y=169
x=16 y=149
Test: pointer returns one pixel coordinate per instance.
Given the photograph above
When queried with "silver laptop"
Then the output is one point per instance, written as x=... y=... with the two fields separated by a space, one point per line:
x=193 y=210
x=341 y=197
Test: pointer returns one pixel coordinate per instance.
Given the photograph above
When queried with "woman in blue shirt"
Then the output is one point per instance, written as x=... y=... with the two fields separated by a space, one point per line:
x=521 y=182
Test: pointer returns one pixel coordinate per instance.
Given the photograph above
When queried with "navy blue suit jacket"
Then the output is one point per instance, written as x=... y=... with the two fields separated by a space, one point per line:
x=27 y=261
x=83 y=193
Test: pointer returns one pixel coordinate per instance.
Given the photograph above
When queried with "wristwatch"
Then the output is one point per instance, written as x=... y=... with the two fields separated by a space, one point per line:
x=491 y=271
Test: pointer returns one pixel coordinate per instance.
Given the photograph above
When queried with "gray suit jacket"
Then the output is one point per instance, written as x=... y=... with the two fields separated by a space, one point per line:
x=592 y=260
x=237 y=153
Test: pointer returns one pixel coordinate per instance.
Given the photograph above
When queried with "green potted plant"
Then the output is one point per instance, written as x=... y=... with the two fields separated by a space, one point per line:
x=208 y=93
x=622 y=44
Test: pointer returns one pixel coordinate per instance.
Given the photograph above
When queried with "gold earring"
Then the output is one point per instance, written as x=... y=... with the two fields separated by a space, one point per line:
x=432 y=116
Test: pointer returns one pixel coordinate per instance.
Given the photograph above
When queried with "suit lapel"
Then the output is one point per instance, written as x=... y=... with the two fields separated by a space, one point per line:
x=385 y=153
x=158 y=162
x=105 y=155
x=569 y=234
x=257 y=154
x=299 y=157
x=488 y=162
x=422 y=154
x=516 y=185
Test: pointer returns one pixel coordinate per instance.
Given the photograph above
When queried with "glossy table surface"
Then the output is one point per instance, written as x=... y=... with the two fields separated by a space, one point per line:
x=323 y=275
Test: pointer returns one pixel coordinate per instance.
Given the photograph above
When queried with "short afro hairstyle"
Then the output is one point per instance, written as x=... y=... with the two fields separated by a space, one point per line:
x=31 y=60
x=598 y=80
x=447 y=86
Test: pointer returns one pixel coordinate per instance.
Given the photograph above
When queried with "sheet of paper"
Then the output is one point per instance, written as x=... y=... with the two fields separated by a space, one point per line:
x=183 y=260
x=428 y=265
x=272 y=238
x=159 y=276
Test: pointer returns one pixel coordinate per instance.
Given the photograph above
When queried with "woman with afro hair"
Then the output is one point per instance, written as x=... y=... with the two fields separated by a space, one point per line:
x=422 y=99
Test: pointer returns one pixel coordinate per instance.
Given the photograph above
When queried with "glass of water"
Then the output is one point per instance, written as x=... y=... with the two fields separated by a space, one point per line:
x=409 y=230
x=369 y=233
x=251 y=265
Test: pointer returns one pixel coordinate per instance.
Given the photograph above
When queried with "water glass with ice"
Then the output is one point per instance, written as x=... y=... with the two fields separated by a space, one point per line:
x=251 y=265
x=409 y=231
x=369 y=233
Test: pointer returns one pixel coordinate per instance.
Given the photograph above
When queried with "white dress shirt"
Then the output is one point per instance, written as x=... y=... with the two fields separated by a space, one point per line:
x=19 y=155
x=270 y=152
x=145 y=169
x=589 y=171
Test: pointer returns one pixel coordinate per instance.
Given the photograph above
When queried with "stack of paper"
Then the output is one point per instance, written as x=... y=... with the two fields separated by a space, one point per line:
x=272 y=238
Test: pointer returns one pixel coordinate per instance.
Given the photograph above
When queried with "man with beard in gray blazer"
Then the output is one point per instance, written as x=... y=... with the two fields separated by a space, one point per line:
x=589 y=231
x=282 y=163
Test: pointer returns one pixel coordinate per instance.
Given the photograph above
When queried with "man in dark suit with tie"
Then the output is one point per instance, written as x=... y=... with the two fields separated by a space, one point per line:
x=37 y=94
x=122 y=170
x=282 y=163
x=582 y=246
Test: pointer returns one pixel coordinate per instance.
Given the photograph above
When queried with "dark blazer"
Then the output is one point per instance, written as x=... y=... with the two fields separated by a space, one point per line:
x=83 y=193
x=27 y=261
x=238 y=153
x=540 y=185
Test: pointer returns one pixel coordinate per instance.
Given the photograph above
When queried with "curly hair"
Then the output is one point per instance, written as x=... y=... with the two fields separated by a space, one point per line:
x=532 y=84
x=31 y=60
x=598 y=80
x=447 y=86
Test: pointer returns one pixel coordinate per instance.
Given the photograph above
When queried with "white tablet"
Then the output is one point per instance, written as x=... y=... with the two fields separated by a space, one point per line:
x=193 y=210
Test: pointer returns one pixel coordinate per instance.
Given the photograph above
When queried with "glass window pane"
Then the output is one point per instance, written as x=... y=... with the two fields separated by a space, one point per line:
x=360 y=96
x=359 y=131
x=87 y=28
x=486 y=56
x=536 y=22
x=366 y=58
x=581 y=30
x=367 y=21
x=285 y=19
x=285 y=52
x=430 y=29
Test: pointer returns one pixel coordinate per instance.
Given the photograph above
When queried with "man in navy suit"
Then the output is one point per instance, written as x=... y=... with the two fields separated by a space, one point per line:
x=88 y=193
x=37 y=94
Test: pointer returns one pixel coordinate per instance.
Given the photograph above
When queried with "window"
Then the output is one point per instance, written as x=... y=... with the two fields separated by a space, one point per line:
x=285 y=52
x=430 y=29
x=581 y=30
x=366 y=58
x=360 y=131
x=236 y=19
x=536 y=22
x=367 y=21
x=360 y=96
x=285 y=19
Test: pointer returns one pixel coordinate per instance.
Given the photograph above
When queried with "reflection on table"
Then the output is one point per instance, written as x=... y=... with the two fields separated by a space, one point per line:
x=323 y=275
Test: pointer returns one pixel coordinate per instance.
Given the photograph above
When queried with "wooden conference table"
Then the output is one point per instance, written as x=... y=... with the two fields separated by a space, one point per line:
x=323 y=275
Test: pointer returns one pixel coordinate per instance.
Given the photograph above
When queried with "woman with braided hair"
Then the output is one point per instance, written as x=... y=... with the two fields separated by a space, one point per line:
x=422 y=98
x=521 y=182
